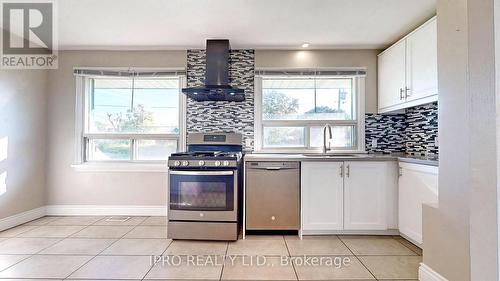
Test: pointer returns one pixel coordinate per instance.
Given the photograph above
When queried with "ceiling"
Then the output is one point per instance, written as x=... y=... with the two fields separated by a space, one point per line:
x=258 y=24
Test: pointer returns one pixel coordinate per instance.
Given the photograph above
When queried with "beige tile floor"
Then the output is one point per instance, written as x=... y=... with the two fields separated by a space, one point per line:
x=94 y=248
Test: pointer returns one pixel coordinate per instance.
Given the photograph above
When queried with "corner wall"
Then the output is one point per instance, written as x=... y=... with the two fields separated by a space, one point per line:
x=23 y=126
x=65 y=186
x=461 y=234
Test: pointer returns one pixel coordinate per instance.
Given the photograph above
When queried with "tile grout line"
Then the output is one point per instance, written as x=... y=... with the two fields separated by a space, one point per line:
x=224 y=259
x=162 y=254
x=356 y=257
x=17 y=235
x=418 y=254
x=34 y=254
x=28 y=255
x=290 y=255
x=365 y=266
x=117 y=239
x=342 y=241
x=60 y=239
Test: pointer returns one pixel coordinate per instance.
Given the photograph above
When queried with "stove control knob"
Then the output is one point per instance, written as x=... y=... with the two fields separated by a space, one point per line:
x=201 y=163
x=177 y=163
x=217 y=163
x=185 y=163
x=225 y=163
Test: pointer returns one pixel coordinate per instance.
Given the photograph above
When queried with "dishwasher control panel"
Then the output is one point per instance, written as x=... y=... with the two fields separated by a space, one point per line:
x=273 y=165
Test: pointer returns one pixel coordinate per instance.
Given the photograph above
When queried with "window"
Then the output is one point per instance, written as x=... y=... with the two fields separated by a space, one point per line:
x=131 y=118
x=292 y=111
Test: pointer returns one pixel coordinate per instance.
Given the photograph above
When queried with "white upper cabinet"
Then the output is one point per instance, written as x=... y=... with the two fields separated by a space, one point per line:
x=407 y=71
x=421 y=62
x=391 y=63
x=322 y=197
x=370 y=195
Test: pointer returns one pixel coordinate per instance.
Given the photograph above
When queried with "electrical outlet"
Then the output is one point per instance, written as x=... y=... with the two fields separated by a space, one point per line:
x=248 y=142
x=374 y=143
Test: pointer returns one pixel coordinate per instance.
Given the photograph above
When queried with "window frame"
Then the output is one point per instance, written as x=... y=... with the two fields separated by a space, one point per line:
x=358 y=123
x=83 y=137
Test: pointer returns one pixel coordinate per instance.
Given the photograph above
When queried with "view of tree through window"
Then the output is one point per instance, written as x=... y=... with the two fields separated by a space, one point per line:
x=294 y=108
x=142 y=109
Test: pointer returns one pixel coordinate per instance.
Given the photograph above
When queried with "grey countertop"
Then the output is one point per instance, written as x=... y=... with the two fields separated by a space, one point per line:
x=358 y=157
x=416 y=159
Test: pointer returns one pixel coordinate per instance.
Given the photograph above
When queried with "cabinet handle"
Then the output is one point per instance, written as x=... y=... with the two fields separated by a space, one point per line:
x=407 y=92
x=348 y=172
x=401 y=90
x=400 y=171
x=342 y=170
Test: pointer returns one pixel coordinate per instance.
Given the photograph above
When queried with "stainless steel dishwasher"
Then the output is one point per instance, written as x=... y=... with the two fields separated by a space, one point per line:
x=272 y=195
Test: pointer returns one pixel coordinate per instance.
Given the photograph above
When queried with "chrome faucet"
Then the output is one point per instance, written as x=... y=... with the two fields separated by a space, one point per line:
x=326 y=149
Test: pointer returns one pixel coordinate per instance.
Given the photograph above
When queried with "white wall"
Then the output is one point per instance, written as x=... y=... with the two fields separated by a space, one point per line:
x=23 y=125
x=65 y=186
x=326 y=58
x=461 y=235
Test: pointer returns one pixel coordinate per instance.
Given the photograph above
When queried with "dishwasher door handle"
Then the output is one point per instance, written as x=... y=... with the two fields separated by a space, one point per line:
x=272 y=168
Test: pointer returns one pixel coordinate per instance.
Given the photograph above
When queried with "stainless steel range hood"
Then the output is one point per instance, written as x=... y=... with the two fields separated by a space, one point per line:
x=217 y=86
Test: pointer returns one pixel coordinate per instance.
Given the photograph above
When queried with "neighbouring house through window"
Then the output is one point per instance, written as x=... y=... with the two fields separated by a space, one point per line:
x=130 y=117
x=292 y=110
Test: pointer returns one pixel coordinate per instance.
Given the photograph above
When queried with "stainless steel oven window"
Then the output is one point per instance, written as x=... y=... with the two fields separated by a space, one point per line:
x=209 y=195
x=202 y=190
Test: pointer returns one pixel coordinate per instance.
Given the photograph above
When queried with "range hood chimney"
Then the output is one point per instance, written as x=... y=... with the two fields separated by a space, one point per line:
x=216 y=76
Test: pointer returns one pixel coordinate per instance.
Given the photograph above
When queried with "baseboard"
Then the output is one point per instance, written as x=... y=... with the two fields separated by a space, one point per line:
x=105 y=210
x=425 y=273
x=416 y=243
x=21 y=218
x=351 y=232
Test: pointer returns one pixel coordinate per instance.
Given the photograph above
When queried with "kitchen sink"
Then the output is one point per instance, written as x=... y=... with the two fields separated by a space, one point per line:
x=333 y=155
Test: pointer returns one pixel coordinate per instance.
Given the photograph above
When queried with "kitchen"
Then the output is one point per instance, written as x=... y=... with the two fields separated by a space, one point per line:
x=265 y=143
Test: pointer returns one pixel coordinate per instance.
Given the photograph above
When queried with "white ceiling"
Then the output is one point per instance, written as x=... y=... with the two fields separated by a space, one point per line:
x=259 y=24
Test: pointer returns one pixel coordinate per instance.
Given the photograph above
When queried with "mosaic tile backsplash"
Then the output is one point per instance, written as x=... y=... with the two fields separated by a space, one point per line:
x=413 y=132
x=387 y=130
x=222 y=116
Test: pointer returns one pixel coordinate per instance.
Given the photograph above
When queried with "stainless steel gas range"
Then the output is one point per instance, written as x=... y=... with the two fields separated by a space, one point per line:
x=204 y=187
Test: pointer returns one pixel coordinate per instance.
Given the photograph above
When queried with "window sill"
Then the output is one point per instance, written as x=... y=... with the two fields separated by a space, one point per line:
x=308 y=151
x=120 y=167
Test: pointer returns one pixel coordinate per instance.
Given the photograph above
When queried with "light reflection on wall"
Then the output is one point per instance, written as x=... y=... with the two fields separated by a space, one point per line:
x=3 y=183
x=4 y=144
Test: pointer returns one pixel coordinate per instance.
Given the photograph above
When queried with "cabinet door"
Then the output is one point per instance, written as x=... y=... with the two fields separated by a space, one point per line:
x=322 y=198
x=370 y=195
x=418 y=184
x=391 y=76
x=421 y=62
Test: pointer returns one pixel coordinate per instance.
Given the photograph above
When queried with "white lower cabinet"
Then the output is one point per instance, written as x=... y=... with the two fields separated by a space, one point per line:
x=370 y=195
x=351 y=196
x=418 y=184
x=322 y=196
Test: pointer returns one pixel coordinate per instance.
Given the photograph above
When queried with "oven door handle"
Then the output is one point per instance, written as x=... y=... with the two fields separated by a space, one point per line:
x=202 y=173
